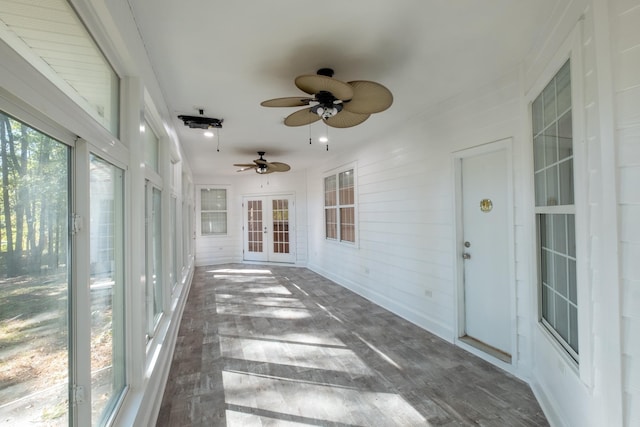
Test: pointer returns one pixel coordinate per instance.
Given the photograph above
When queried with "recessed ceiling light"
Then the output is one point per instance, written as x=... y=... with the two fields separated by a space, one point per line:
x=208 y=134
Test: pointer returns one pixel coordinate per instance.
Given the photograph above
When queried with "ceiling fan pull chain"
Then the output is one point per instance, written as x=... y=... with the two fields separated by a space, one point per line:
x=218 y=148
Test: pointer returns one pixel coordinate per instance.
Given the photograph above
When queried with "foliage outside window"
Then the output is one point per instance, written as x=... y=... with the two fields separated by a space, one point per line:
x=339 y=207
x=213 y=211
x=35 y=254
x=555 y=209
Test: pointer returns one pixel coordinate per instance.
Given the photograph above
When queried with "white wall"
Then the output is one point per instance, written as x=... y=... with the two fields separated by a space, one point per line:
x=624 y=21
x=406 y=254
x=225 y=249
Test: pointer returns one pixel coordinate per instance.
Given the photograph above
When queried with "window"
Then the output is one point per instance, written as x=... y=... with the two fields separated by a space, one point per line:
x=151 y=147
x=106 y=288
x=213 y=211
x=35 y=274
x=339 y=206
x=56 y=43
x=153 y=249
x=555 y=209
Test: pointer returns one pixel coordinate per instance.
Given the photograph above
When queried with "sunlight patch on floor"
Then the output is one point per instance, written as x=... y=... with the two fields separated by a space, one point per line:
x=298 y=355
x=257 y=311
x=320 y=403
x=260 y=300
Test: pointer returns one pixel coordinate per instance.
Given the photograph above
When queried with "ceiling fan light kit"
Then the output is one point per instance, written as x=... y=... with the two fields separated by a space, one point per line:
x=337 y=103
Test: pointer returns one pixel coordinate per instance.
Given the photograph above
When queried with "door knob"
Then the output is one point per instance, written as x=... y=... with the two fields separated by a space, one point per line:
x=265 y=229
x=466 y=256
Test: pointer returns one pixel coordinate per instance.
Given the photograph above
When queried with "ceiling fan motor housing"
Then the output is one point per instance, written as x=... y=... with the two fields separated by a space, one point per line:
x=328 y=105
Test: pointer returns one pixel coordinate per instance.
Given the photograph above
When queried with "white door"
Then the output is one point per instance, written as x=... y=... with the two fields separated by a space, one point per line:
x=485 y=252
x=269 y=228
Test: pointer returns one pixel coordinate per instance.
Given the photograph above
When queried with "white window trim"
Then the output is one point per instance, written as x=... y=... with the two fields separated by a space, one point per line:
x=336 y=172
x=570 y=50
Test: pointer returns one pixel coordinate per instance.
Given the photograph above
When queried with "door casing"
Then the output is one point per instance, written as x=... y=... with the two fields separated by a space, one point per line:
x=268 y=255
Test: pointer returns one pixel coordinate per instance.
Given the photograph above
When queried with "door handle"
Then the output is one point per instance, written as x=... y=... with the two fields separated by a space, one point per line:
x=265 y=230
x=466 y=256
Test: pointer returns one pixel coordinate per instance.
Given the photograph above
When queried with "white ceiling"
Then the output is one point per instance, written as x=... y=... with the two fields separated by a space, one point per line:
x=228 y=56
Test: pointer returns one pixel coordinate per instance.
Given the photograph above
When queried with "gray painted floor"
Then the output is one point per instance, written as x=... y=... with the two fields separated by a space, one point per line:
x=263 y=345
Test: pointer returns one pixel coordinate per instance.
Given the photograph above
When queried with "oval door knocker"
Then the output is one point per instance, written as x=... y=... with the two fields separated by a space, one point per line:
x=486 y=205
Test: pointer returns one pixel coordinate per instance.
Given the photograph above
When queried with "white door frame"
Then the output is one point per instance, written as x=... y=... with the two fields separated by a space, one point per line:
x=459 y=321
x=268 y=256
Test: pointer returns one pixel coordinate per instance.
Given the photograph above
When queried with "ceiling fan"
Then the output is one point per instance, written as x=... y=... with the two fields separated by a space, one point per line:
x=338 y=104
x=262 y=166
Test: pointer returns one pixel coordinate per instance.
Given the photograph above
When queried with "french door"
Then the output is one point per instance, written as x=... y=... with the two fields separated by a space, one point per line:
x=268 y=230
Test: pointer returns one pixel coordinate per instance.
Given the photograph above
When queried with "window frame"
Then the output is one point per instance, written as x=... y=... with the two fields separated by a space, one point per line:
x=571 y=49
x=200 y=189
x=339 y=206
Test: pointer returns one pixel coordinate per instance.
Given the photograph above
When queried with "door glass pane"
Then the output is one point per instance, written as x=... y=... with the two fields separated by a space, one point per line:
x=254 y=225
x=106 y=288
x=34 y=277
x=280 y=213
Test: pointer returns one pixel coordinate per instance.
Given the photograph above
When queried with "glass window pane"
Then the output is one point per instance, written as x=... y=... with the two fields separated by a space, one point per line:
x=56 y=43
x=571 y=236
x=345 y=180
x=573 y=327
x=347 y=225
x=213 y=199
x=562 y=317
x=331 y=223
x=559 y=233
x=560 y=274
x=157 y=252
x=549 y=103
x=213 y=223
x=573 y=290
x=550 y=145
x=565 y=136
x=330 y=198
x=538 y=153
x=566 y=182
x=536 y=111
x=540 y=187
x=34 y=277
x=151 y=147
x=563 y=88
x=552 y=186
x=106 y=288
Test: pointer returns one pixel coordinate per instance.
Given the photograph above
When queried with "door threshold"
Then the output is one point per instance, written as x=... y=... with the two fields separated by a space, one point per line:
x=492 y=351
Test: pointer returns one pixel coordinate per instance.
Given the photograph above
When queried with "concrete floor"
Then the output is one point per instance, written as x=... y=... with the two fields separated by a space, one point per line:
x=266 y=345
